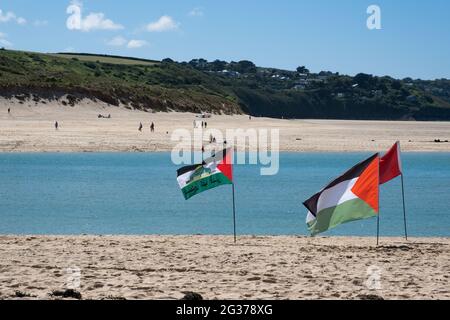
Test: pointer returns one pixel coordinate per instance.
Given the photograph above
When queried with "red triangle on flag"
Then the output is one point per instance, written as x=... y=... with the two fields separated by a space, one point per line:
x=390 y=164
x=226 y=166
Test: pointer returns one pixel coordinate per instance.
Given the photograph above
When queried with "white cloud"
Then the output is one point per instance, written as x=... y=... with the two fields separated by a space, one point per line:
x=93 y=21
x=3 y=41
x=196 y=12
x=165 y=23
x=21 y=21
x=11 y=16
x=117 y=41
x=135 y=44
x=40 y=23
x=120 y=41
x=69 y=49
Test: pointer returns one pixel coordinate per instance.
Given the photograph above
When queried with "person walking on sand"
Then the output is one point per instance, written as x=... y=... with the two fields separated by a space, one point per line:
x=152 y=127
x=206 y=124
x=56 y=125
x=9 y=110
x=140 y=127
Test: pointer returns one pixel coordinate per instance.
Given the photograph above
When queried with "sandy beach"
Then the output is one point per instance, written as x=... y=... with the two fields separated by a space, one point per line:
x=163 y=267
x=30 y=128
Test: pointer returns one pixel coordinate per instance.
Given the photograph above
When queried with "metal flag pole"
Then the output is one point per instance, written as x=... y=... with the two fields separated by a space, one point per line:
x=404 y=209
x=379 y=211
x=234 y=214
x=378 y=227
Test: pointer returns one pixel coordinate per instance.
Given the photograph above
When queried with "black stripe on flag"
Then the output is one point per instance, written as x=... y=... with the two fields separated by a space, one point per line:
x=183 y=170
x=356 y=171
x=217 y=157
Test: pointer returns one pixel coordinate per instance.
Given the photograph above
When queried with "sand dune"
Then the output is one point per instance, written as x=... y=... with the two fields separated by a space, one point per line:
x=163 y=267
x=29 y=128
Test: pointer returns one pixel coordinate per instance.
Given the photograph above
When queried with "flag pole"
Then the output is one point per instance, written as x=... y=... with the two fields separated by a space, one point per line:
x=378 y=227
x=404 y=209
x=379 y=211
x=234 y=213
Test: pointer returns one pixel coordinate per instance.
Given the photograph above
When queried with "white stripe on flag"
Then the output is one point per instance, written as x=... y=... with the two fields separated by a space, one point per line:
x=336 y=195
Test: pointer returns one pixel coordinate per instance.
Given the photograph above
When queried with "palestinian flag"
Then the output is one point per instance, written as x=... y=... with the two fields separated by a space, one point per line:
x=213 y=172
x=352 y=196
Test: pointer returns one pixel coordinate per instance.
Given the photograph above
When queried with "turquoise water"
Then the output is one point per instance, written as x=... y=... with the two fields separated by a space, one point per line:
x=137 y=193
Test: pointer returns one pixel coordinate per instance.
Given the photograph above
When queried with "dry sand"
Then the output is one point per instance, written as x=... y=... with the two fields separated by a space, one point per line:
x=163 y=267
x=30 y=128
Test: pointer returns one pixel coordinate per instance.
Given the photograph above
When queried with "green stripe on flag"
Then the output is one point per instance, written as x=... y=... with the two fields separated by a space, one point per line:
x=355 y=209
x=203 y=184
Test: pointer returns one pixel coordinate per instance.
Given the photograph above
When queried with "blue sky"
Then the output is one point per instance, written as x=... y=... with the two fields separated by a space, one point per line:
x=321 y=34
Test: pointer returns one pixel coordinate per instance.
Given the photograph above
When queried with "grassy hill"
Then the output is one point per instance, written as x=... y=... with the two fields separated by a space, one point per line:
x=149 y=86
x=219 y=87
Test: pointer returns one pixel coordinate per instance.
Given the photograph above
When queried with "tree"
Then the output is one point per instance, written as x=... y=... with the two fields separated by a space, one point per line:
x=365 y=80
x=218 y=65
x=245 y=66
x=302 y=69
x=396 y=84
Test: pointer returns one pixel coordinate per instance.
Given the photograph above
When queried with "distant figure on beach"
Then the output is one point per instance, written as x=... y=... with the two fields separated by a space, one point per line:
x=210 y=138
x=56 y=125
x=249 y=117
x=140 y=127
x=152 y=127
x=206 y=124
x=9 y=110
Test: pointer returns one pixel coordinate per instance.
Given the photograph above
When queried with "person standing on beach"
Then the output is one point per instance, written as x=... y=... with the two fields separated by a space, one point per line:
x=56 y=125
x=206 y=124
x=9 y=110
x=152 y=127
x=140 y=127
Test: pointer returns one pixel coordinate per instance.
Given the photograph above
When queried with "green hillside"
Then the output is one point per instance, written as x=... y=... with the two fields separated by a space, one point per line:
x=219 y=87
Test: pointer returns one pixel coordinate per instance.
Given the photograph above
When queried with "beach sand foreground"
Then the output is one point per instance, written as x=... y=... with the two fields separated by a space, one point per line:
x=281 y=267
x=30 y=128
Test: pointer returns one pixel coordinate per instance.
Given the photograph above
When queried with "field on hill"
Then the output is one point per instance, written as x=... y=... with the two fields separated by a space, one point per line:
x=107 y=59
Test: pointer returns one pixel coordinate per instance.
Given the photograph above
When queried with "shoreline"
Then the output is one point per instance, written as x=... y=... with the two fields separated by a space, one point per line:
x=226 y=236
x=169 y=150
x=257 y=267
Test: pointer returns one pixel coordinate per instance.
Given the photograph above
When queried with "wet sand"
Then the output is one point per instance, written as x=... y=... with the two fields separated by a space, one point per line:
x=30 y=128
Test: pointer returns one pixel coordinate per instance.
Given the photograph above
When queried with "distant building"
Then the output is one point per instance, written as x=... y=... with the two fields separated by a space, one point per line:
x=299 y=86
x=230 y=73
x=377 y=93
